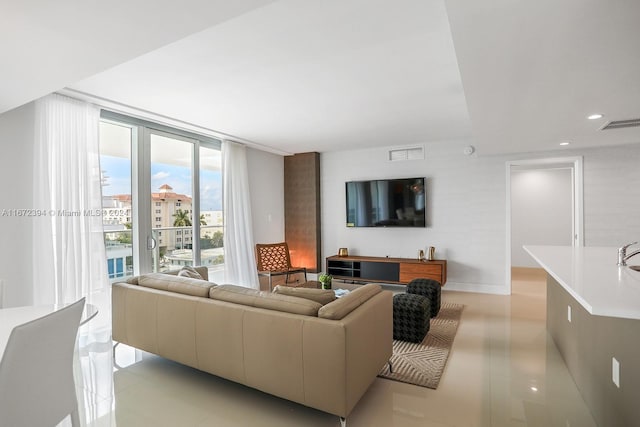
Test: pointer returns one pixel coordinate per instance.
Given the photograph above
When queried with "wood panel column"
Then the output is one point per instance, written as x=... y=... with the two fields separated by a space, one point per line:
x=302 y=209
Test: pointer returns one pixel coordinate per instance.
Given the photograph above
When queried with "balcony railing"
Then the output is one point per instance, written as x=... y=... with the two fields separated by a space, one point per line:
x=174 y=250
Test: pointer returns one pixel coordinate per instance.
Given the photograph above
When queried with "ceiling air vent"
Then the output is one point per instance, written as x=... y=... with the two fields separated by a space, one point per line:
x=619 y=124
x=407 y=153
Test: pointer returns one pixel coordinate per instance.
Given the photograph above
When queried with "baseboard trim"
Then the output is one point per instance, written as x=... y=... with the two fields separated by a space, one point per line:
x=481 y=288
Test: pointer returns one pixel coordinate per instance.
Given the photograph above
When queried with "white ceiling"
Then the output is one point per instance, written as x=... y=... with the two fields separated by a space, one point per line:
x=46 y=45
x=295 y=76
x=533 y=70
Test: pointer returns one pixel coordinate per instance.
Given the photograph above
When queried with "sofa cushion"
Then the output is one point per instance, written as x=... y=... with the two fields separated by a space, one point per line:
x=268 y=300
x=181 y=285
x=187 y=271
x=339 y=308
x=323 y=296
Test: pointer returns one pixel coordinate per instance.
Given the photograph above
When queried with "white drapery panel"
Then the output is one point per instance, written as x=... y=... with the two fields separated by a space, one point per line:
x=239 y=258
x=69 y=259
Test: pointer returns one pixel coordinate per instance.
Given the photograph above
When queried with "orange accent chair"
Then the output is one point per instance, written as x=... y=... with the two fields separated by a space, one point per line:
x=273 y=259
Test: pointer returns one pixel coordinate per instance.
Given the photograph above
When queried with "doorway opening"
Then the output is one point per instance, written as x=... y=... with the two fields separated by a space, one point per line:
x=544 y=207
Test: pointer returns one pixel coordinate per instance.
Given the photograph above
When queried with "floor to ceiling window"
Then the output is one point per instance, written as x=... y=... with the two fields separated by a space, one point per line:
x=115 y=159
x=162 y=198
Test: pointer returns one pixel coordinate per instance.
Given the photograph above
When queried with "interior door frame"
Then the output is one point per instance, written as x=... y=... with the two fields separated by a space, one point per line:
x=576 y=166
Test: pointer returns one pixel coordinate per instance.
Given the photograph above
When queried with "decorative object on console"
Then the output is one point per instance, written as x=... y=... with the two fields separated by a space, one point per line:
x=343 y=252
x=325 y=280
x=431 y=253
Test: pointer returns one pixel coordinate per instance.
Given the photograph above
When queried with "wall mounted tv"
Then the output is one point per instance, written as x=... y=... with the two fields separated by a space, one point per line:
x=386 y=203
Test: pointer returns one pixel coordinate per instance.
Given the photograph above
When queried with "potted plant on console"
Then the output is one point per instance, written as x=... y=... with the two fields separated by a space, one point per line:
x=325 y=280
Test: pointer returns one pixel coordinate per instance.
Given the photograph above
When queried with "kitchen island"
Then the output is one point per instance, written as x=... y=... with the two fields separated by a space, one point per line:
x=593 y=316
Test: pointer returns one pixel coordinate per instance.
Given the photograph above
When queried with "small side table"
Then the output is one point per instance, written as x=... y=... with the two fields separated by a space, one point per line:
x=411 y=317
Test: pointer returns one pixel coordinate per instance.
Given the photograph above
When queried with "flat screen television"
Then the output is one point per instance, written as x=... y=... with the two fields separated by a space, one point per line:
x=386 y=203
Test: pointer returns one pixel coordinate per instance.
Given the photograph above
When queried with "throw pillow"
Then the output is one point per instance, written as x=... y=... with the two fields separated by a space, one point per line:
x=323 y=296
x=175 y=283
x=187 y=271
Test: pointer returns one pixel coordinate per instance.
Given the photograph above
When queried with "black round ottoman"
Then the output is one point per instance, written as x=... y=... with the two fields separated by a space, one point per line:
x=429 y=288
x=411 y=317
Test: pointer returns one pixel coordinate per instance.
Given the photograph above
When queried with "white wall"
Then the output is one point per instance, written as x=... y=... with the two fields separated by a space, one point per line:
x=266 y=177
x=16 y=171
x=541 y=211
x=612 y=196
x=466 y=207
x=465 y=212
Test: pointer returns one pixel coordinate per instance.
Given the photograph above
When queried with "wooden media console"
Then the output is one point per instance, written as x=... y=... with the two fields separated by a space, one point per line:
x=386 y=270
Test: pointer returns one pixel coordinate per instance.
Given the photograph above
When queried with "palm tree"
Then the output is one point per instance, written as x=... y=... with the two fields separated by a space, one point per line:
x=181 y=219
x=202 y=220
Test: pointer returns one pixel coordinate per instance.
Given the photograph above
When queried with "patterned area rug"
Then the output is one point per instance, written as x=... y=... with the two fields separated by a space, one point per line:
x=423 y=363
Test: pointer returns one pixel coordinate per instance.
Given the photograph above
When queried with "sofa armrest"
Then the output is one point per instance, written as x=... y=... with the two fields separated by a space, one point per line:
x=343 y=357
x=341 y=307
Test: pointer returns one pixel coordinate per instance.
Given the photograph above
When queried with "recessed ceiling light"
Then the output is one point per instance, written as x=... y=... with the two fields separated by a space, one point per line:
x=534 y=388
x=565 y=143
x=595 y=116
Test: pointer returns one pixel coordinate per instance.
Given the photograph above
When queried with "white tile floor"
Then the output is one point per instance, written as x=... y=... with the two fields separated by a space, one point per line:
x=503 y=370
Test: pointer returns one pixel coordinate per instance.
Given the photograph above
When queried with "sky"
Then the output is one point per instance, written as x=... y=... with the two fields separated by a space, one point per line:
x=118 y=178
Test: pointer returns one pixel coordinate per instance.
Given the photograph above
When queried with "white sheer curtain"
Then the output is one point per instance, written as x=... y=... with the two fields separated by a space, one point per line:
x=69 y=259
x=239 y=257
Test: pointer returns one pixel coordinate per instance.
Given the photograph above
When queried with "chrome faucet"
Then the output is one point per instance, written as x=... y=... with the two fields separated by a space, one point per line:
x=622 y=254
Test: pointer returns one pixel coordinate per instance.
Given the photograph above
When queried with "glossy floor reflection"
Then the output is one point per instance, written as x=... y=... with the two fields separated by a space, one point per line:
x=503 y=370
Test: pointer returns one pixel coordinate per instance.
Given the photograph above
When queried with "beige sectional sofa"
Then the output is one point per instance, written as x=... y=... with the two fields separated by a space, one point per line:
x=322 y=356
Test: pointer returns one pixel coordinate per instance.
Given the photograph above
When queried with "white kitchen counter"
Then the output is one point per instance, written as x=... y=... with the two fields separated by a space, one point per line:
x=591 y=276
